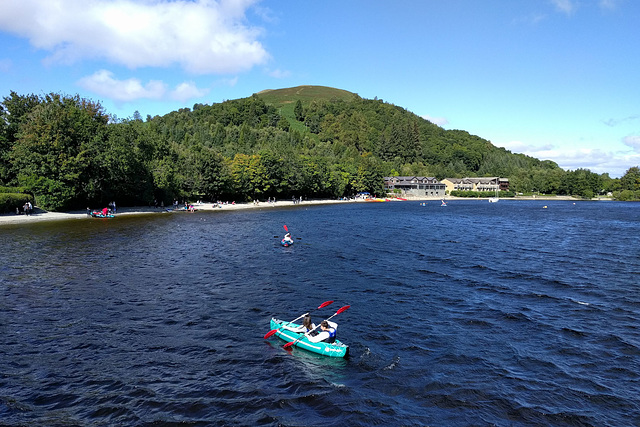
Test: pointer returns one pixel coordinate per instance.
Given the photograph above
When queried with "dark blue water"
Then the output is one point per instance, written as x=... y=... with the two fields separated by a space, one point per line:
x=471 y=314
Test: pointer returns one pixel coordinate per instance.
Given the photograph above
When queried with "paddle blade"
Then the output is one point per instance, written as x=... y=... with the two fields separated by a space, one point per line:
x=289 y=344
x=346 y=307
x=324 y=304
x=285 y=228
x=270 y=333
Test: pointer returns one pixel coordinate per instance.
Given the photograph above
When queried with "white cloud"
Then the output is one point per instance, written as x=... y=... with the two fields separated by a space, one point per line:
x=105 y=84
x=597 y=161
x=565 y=6
x=187 y=90
x=201 y=36
x=440 y=121
x=609 y=4
x=279 y=74
x=632 y=141
x=616 y=122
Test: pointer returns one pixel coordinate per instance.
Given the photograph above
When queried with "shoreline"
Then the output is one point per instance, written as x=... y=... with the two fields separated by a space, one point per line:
x=41 y=215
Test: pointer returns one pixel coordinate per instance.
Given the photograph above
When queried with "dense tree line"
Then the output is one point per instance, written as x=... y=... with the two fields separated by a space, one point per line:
x=70 y=153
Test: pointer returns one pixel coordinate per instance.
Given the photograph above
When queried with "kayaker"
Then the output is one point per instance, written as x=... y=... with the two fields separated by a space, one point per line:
x=307 y=325
x=287 y=238
x=328 y=334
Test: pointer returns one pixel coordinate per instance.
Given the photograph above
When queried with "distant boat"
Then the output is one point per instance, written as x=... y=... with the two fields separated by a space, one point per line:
x=443 y=203
x=494 y=199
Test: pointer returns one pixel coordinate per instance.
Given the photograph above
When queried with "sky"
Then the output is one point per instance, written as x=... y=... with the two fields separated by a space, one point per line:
x=554 y=79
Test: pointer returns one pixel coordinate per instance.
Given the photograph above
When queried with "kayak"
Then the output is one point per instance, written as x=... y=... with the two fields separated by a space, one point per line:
x=286 y=243
x=335 y=349
x=100 y=215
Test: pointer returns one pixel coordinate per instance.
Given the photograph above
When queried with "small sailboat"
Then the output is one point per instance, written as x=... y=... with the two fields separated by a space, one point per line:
x=443 y=203
x=494 y=199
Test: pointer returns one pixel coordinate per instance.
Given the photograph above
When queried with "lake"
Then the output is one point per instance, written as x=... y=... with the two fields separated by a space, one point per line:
x=476 y=313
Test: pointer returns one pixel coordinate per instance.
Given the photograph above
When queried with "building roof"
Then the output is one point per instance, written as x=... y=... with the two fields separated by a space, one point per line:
x=410 y=179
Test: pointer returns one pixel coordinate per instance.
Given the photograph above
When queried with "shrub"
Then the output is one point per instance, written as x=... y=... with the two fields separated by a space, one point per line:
x=10 y=201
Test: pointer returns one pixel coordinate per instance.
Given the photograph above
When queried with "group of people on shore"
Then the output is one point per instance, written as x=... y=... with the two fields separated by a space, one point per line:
x=27 y=208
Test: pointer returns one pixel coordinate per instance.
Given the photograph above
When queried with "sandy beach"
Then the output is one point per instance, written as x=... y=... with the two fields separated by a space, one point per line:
x=41 y=215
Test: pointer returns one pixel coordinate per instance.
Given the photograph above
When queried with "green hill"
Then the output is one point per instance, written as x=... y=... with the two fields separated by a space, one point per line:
x=313 y=141
x=306 y=94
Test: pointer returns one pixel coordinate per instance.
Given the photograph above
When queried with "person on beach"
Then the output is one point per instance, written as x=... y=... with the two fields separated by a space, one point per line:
x=328 y=334
x=306 y=327
x=287 y=238
x=105 y=211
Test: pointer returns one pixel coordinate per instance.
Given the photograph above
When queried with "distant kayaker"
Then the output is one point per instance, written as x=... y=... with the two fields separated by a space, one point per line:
x=307 y=325
x=328 y=334
x=287 y=238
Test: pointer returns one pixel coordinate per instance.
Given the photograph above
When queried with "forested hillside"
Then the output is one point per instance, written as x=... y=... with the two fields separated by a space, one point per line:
x=307 y=141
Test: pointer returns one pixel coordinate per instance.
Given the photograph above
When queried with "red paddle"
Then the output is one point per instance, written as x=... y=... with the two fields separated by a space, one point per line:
x=285 y=228
x=340 y=310
x=273 y=331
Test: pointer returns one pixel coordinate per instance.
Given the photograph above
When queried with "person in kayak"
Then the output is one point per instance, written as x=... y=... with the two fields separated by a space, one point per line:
x=287 y=238
x=307 y=326
x=328 y=333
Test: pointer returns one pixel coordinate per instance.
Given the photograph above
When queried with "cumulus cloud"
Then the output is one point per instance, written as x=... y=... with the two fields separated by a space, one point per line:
x=440 y=121
x=187 y=90
x=104 y=83
x=200 y=36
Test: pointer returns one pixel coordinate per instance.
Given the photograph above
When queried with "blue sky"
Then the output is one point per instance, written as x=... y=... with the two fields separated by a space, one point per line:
x=554 y=79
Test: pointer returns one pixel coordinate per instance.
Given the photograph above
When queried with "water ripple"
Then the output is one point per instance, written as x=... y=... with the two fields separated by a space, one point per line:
x=471 y=315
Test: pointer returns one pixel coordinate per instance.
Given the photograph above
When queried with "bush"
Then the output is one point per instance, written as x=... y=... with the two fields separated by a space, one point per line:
x=626 y=195
x=10 y=201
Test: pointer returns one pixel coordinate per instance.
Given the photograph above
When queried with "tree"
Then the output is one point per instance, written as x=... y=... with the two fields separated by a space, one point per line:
x=249 y=176
x=13 y=112
x=631 y=179
x=121 y=166
x=54 y=147
x=298 y=111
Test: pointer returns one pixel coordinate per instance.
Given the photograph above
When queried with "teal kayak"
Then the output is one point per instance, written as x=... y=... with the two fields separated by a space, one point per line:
x=335 y=349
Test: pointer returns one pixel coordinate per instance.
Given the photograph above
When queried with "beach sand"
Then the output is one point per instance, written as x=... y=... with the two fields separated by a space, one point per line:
x=41 y=215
